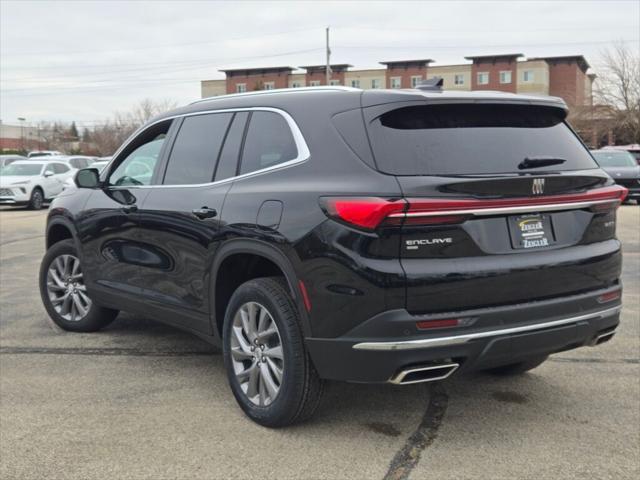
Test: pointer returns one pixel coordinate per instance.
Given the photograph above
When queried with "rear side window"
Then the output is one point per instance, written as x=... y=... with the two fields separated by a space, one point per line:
x=195 y=152
x=473 y=139
x=269 y=142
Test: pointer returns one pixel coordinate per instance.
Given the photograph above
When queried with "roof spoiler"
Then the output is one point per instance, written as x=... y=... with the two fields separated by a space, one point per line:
x=431 y=84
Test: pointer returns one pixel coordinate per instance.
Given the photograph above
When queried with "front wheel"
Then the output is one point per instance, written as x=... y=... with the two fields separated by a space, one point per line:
x=64 y=293
x=37 y=199
x=269 y=370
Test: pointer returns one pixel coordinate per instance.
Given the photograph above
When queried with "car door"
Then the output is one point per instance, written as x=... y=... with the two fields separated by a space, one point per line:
x=108 y=224
x=51 y=184
x=183 y=218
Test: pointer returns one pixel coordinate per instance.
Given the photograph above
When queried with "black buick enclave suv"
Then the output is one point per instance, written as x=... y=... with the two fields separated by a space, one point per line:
x=334 y=233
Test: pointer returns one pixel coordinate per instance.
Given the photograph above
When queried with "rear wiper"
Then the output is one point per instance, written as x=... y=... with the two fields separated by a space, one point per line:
x=535 y=162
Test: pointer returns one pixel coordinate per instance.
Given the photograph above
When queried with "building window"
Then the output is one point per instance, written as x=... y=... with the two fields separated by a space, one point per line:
x=527 y=76
x=375 y=83
x=269 y=85
x=241 y=87
x=315 y=83
x=396 y=82
x=505 y=76
x=355 y=83
x=415 y=80
x=296 y=85
x=334 y=82
x=483 y=78
x=458 y=79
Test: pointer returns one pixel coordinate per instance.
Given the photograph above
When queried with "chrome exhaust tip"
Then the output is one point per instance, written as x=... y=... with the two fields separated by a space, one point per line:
x=428 y=373
x=603 y=337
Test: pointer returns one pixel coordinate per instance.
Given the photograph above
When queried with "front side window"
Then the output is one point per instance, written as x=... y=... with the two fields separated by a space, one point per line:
x=59 y=168
x=140 y=157
x=483 y=78
x=396 y=82
x=458 y=80
x=269 y=142
x=195 y=152
x=505 y=76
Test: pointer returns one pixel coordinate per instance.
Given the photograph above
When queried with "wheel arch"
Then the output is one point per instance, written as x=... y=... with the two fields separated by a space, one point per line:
x=58 y=229
x=252 y=248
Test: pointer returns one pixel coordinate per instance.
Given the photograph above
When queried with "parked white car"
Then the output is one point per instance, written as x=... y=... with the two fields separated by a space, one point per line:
x=43 y=153
x=31 y=182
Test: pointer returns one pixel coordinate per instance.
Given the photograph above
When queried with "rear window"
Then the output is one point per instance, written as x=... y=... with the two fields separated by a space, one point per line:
x=608 y=158
x=473 y=139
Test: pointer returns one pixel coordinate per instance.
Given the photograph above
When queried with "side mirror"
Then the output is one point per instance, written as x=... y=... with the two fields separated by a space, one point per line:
x=87 y=178
x=47 y=174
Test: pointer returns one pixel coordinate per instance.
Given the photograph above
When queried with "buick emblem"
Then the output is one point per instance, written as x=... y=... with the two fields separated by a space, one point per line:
x=537 y=187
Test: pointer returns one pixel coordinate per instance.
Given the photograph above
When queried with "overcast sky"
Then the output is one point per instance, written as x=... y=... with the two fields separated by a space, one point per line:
x=85 y=60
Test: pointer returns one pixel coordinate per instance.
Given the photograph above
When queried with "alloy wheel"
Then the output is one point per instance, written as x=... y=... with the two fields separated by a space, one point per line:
x=37 y=200
x=66 y=288
x=256 y=353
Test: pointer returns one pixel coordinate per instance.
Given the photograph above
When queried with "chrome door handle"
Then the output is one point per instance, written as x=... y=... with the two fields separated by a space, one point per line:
x=204 y=212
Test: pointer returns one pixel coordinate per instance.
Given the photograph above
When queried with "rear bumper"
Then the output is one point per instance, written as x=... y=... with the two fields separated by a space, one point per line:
x=498 y=336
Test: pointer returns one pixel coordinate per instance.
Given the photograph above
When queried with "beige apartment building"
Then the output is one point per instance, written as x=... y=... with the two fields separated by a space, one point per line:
x=564 y=76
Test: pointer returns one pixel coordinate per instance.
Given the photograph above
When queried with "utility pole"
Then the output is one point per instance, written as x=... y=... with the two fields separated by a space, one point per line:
x=328 y=67
x=22 y=120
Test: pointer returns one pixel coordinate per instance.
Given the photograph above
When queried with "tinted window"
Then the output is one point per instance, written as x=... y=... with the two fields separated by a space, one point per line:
x=58 y=168
x=473 y=139
x=608 y=158
x=195 y=152
x=228 y=163
x=76 y=163
x=140 y=157
x=269 y=142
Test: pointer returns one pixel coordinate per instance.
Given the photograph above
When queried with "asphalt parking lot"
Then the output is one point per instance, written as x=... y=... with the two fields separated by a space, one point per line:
x=142 y=400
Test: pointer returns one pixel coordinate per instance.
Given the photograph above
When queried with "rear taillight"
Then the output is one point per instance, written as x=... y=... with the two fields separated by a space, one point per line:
x=370 y=213
x=364 y=212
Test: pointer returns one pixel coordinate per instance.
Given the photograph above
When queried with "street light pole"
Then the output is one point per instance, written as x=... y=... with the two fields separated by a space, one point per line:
x=328 y=66
x=22 y=120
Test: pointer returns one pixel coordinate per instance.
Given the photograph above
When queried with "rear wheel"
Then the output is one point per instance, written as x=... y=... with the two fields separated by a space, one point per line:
x=64 y=293
x=520 y=367
x=269 y=370
x=37 y=199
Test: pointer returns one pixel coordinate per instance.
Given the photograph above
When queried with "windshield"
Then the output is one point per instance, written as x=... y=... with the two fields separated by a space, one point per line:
x=21 y=169
x=614 y=159
x=466 y=139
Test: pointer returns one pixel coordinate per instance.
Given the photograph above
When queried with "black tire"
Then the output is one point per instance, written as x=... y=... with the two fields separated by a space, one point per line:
x=96 y=317
x=520 y=367
x=301 y=388
x=37 y=199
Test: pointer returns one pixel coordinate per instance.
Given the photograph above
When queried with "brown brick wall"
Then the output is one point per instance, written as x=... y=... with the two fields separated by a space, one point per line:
x=567 y=80
x=494 y=69
x=405 y=74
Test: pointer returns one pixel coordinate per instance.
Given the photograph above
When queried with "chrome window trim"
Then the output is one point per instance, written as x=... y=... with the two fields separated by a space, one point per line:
x=301 y=145
x=464 y=338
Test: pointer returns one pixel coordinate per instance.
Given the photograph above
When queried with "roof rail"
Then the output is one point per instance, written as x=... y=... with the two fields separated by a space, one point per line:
x=431 y=84
x=336 y=88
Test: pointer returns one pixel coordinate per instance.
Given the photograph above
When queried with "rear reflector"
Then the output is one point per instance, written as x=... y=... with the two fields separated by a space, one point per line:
x=610 y=296
x=305 y=295
x=446 y=322
x=370 y=213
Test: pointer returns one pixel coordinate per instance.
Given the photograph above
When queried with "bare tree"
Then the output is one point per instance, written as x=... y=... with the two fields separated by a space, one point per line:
x=108 y=137
x=618 y=88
